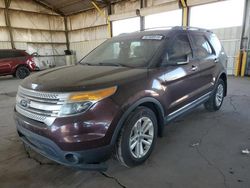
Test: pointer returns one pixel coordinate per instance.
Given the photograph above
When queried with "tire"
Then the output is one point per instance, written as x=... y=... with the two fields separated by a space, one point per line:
x=215 y=101
x=22 y=72
x=141 y=116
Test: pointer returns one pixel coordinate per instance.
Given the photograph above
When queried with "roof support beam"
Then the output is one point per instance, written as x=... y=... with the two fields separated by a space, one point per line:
x=7 y=21
x=49 y=7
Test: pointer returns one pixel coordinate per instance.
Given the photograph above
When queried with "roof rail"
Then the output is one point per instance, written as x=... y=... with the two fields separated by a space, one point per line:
x=174 y=28
x=152 y=28
x=191 y=28
x=179 y=28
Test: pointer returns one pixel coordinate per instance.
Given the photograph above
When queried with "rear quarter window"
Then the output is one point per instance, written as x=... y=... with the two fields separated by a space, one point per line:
x=215 y=43
x=202 y=47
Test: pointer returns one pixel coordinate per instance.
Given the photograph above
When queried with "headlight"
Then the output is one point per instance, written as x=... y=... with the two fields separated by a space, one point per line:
x=81 y=101
x=74 y=108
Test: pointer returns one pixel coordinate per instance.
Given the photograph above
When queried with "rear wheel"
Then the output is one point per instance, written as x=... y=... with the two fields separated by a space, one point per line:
x=137 y=138
x=22 y=72
x=216 y=100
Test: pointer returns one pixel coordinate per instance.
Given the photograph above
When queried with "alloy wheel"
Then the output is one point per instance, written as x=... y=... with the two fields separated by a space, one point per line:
x=141 y=137
x=219 y=95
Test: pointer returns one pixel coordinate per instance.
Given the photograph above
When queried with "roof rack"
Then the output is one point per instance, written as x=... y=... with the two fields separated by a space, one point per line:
x=174 y=28
x=179 y=28
x=153 y=28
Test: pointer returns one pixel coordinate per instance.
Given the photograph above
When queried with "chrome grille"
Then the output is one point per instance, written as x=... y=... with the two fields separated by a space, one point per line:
x=40 y=106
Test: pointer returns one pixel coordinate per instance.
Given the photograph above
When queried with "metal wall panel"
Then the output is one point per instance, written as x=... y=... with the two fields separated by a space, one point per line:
x=26 y=35
x=83 y=48
x=5 y=45
x=126 y=15
x=86 y=31
x=174 y=5
x=35 y=32
x=36 y=21
x=4 y=34
x=46 y=49
x=2 y=4
x=230 y=39
x=86 y=19
x=29 y=5
x=126 y=6
x=158 y=2
x=88 y=34
x=200 y=2
x=21 y=45
x=2 y=18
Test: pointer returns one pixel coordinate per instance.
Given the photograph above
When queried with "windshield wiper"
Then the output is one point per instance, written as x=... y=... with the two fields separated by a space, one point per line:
x=110 y=64
x=114 y=64
x=105 y=64
x=89 y=64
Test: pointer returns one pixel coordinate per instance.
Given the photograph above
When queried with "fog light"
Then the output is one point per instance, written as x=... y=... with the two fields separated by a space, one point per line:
x=72 y=158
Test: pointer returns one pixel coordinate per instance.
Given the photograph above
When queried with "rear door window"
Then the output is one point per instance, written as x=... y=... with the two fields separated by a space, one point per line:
x=180 y=48
x=17 y=54
x=202 y=47
x=4 y=54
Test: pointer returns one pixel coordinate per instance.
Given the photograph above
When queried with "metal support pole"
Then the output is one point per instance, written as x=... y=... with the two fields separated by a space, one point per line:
x=185 y=13
x=142 y=18
x=110 y=13
x=241 y=62
x=66 y=33
x=105 y=16
x=7 y=20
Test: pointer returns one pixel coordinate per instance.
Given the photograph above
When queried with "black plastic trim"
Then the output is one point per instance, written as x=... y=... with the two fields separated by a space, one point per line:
x=133 y=107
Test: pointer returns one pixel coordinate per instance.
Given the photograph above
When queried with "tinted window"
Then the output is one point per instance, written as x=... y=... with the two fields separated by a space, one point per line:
x=216 y=43
x=179 y=49
x=11 y=54
x=202 y=46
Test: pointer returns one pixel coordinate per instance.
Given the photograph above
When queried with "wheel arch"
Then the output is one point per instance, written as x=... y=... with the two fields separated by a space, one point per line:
x=223 y=76
x=20 y=65
x=148 y=102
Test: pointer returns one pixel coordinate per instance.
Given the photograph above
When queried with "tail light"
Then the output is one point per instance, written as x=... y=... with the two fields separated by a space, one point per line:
x=31 y=63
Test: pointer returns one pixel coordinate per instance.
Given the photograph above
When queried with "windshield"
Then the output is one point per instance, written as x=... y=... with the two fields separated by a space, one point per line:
x=124 y=52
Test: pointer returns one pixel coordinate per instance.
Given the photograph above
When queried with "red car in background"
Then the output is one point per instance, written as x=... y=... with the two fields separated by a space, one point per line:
x=17 y=63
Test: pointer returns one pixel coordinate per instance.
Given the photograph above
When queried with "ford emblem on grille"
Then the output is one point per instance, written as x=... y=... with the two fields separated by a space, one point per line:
x=24 y=103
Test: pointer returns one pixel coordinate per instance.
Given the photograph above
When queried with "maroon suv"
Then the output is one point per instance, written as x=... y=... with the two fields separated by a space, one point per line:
x=16 y=62
x=120 y=96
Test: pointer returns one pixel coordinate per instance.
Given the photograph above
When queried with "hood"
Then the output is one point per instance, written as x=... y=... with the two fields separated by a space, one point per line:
x=81 y=78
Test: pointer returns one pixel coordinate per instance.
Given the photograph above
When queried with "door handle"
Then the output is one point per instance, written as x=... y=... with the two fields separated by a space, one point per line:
x=216 y=60
x=194 y=68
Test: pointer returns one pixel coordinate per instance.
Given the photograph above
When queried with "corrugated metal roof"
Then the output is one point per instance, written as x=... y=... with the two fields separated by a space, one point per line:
x=68 y=7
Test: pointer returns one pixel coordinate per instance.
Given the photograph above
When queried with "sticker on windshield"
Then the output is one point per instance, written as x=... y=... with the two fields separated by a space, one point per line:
x=152 y=37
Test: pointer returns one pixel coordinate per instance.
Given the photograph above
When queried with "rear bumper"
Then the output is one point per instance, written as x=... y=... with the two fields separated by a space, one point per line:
x=89 y=159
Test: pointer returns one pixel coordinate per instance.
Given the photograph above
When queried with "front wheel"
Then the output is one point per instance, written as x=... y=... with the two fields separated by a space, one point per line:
x=216 y=100
x=137 y=138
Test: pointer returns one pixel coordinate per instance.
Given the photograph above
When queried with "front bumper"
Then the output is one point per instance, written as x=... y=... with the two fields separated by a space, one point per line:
x=88 y=159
